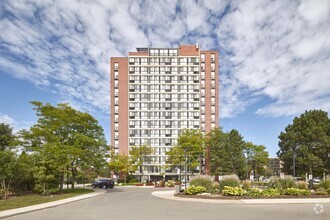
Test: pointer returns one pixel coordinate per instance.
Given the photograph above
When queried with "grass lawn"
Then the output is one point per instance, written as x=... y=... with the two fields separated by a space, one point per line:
x=34 y=199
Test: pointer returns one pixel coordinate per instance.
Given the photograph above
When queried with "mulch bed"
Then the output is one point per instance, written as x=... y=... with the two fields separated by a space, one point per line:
x=249 y=197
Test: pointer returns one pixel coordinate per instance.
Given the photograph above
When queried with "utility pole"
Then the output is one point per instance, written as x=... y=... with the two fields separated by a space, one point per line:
x=294 y=163
x=185 y=168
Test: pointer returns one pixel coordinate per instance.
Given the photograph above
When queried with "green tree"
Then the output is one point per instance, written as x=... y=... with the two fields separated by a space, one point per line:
x=66 y=139
x=226 y=151
x=308 y=138
x=138 y=155
x=121 y=165
x=257 y=158
x=8 y=158
x=193 y=141
x=216 y=140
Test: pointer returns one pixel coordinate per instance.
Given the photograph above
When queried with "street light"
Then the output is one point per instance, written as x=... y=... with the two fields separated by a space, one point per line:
x=185 y=168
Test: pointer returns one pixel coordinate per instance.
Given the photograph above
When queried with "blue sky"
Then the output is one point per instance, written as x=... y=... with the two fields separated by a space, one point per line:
x=274 y=55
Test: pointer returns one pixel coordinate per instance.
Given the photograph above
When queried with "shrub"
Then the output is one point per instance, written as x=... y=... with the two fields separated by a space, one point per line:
x=287 y=182
x=215 y=185
x=2 y=194
x=161 y=183
x=230 y=180
x=246 y=184
x=205 y=181
x=215 y=188
x=328 y=190
x=255 y=192
x=233 y=191
x=215 y=191
x=170 y=183
x=321 y=191
x=325 y=184
x=192 y=190
x=132 y=181
x=295 y=191
x=277 y=183
x=274 y=183
x=271 y=192
x=302 y=185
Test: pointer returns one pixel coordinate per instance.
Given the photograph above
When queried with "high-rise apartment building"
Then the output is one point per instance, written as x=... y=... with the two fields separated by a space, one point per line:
x=156 y=93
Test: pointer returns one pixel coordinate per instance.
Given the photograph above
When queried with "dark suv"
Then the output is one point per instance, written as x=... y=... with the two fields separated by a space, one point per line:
x=103 y=183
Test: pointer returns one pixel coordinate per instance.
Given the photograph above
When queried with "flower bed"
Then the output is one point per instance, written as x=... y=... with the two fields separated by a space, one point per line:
x=199 y=196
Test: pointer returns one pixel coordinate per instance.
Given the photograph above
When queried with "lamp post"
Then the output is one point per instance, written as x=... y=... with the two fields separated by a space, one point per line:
x=185 y=168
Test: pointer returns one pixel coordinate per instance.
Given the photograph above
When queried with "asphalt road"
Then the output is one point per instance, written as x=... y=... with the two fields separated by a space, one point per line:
x=138 y=203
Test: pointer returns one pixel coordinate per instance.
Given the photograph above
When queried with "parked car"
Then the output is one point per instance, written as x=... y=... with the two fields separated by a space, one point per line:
x=300 y=179
x=103 y=183
x=316 y=180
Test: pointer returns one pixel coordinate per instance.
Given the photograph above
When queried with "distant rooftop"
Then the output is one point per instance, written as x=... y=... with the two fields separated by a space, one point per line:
x=142 y=49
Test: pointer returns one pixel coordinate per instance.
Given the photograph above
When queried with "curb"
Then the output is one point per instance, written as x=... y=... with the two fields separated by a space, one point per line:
x=170 y=196
x=27 y=209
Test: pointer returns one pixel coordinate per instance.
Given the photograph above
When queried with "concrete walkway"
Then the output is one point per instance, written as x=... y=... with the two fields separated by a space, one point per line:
x=12 y=212
x=170 y=195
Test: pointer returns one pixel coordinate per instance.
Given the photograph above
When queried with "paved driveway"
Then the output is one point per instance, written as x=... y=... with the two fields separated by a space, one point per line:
x=138 y=203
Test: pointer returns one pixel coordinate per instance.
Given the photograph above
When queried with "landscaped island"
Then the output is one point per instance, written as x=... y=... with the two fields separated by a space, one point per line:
x=231 y=188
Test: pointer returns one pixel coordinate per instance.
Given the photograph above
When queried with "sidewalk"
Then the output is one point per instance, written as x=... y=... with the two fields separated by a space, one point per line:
x=12 y=212
x=170 y=195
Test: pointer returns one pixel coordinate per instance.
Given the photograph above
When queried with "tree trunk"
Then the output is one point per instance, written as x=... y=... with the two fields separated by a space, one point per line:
x=61 y=182
x=4 y=188
x=74 y=174
x=67 y=178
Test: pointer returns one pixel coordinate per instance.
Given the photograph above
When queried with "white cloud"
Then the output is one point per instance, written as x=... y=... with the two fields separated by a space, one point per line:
x=15 y=124
x=275 y=49
x=6 y=119
x=277 y=54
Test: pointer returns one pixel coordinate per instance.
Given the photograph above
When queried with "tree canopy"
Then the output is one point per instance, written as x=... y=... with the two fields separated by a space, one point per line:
x=193 y=141
x=64 y=139
x=308 y=137
x=8 y=158
x=226 y=152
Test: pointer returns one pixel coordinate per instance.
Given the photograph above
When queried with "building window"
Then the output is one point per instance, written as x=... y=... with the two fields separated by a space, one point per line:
x=203 y=66
x=212 y=66
x=116 y=66
x=212 y=57
x=212 y=75
x=202 y=57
